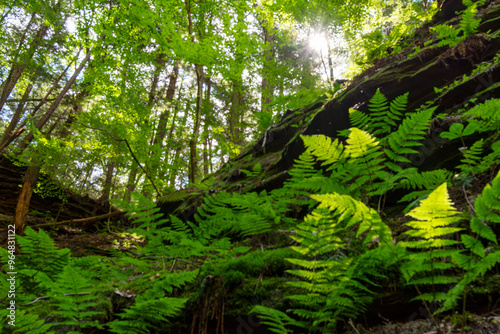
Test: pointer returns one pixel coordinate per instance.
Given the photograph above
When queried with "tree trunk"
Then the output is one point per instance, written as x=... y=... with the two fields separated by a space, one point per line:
x=106 y=187
x=235 y=113
x=267 y=86
x=55 y=104
x=179 y=146
x=330 y=64
x=193 y=157
x=162 y=125
x=19 y=65
x=131 y=184
x=206 y=138
x=23 y=203
x=10 y=133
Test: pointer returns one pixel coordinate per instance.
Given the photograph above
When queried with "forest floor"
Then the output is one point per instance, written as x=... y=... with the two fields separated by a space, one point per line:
x=471 y=324
x=484 y=321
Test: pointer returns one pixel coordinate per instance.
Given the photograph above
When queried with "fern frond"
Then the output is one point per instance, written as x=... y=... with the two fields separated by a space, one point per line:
x=469 y=23
x=397 y=107
x=437 y=207
x=147 y=315
x=44 y=255
x=434 y=217
x=488 y=203
x=484 y=231
x=25 y=322
x=352 y=212
x=73 y=296
x=275 y=319
x=486 y=115
x=360 y=120
x=472 y=159
x=412 y=130
x=473 y=244
x=379 y=109
x=324 y=149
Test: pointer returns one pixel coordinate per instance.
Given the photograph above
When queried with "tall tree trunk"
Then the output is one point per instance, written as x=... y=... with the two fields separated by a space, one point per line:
x=23 y=203
x=52 y=88
x=10 y=134
x=173 y=173
x=179 y=147
x=106 y=187
x=41 y=122
x=267 y=85
x=330 y=64
x=206 y=156
x=33 y=171
x=131 y=183
x=235 y=113
x=19 y=65
x=162 y=124
x=193 y=156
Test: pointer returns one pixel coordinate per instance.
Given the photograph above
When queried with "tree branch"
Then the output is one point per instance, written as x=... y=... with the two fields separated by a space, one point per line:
x=131 y=152
x=80 y=220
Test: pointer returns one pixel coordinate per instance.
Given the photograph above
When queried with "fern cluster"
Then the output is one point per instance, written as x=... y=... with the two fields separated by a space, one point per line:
x=484 y=153
x=345 y=247
x=451 y=36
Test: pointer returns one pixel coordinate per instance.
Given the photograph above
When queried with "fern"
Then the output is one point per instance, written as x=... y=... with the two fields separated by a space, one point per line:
x=424 y=183
x=427 y=266
x=74 y=300
x=331 y=290
x=472 y=158
x=147 y=314
x=408 y=136
x=382 y=116
x=469 y=23
x=352 y=212
x=153 y=310
x=450 y=36
x=37 y=269
x=275 y=319
x=247 y=215
x=379 y=114
x=25 y=323
x=486 y=115
x=487 y=207
x=481 y=118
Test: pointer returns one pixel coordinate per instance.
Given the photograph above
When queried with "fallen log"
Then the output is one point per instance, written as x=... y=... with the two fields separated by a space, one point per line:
x=80 y=220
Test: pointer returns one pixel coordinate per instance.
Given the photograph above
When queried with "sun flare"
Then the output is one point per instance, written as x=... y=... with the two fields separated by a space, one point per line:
x=318 y=43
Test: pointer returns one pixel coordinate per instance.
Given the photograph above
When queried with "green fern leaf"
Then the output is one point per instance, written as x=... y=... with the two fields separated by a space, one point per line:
x=323 y=148
x=275 y=319
x=483 y=230
x=412 y=130
x=488 y=203
x=473 y=244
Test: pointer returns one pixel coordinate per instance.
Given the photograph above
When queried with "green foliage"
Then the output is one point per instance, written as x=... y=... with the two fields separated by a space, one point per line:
x=25 y=323
x=75 y=305
x=428 y=265
x=153 y=309
x=451 y=36
x=275 y=319
x=68 y=294
x=485 y=152
x=345 y=248
x=476 y=262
